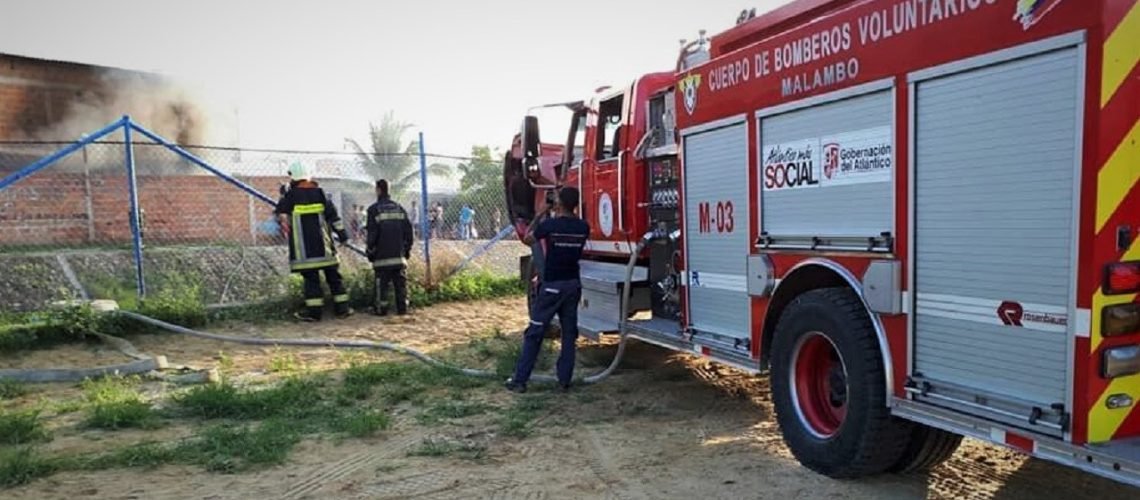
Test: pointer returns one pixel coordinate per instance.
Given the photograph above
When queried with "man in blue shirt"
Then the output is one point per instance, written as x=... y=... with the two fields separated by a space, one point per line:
x=563 y=237
x=465 y=215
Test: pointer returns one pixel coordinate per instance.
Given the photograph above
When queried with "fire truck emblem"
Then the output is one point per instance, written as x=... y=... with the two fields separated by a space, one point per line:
x=1030 y=12
x=689 y=86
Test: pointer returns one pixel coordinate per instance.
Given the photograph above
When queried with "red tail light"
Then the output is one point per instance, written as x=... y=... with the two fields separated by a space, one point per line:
x=1121 y=278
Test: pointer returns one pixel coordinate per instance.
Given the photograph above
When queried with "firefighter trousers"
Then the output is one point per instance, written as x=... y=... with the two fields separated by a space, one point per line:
x=315 y=297
x=555 y=297
x=391 y=276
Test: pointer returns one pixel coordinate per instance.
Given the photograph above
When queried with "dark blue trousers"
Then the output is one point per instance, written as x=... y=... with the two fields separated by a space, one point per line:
x=555 y=297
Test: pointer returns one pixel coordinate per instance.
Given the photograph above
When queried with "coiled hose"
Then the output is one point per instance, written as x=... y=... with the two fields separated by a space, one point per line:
x=399 y=349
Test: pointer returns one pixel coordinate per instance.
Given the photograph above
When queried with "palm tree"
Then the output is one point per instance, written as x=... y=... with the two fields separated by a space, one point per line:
x=389 y=158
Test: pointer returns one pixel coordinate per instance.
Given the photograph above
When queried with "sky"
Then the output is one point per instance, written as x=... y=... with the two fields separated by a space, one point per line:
x=307 y=74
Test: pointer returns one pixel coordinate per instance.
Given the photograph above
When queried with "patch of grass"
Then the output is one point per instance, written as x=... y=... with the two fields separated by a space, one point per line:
x=587 y=397
x=63 y=407
x=503 y=352
x=12 y=389
x=518 y=420
x=224 y=449
x=179 y=300
x=285 y=362
x=122 y=415
x=295 y=398
x=146 y=455
x=22 y=427
x=52 y=327
x=114 y=403
x=22 y=465
x=437 y=447
x=235 y=449
x=443 y=410
x=225 y=363
x=399 y=382
x=362 y=423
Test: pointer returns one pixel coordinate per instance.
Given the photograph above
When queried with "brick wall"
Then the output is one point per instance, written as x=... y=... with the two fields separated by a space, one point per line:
x=35 y=93
x=53 y=209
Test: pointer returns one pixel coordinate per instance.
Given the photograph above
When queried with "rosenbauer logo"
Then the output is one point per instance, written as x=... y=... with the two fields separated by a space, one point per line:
x=1010 y=313
x=1014 y=314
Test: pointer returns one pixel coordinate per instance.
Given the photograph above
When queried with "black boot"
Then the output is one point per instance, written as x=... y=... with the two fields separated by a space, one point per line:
x=309 y=315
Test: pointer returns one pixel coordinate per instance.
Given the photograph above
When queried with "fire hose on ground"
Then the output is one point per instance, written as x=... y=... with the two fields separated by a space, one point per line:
x=147 y=364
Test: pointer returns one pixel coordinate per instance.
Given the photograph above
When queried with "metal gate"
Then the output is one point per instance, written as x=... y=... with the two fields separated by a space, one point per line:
x=716 y=230
x=996 y=155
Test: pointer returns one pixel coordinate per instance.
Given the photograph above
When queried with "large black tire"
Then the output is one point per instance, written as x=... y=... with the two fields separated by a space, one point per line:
x=853 y=434
x=928 y=448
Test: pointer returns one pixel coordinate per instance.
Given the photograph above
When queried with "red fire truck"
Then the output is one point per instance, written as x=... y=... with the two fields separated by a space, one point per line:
x=918 y=216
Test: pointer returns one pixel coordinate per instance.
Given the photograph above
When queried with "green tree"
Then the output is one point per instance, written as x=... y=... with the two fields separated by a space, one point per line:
x=481 y=187
x=389 y=157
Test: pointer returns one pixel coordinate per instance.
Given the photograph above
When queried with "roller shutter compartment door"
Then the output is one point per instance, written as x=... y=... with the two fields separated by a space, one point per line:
x=856 y=203
x=716 y=230
x=996 y=156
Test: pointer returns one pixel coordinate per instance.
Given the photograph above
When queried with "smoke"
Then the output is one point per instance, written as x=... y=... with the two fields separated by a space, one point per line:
x=177 y=111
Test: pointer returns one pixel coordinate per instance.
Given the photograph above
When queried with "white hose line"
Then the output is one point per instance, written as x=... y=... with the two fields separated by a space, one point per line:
x=387 y=346
x=46 y=375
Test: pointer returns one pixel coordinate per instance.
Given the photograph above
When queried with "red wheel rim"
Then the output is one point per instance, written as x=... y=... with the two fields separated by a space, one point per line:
x=819 y=385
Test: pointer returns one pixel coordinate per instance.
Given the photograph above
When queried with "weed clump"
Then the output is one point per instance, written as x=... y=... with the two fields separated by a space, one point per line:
x=362 y=423
x=518 y=421
x=296 y=398
x=12 y=389
x=114 y=403
x=22 y=465
x=22 y=427
x=438 y=447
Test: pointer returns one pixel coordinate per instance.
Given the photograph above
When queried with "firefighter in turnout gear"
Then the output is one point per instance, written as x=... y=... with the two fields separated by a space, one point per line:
x=389 y=247
x=309 y=220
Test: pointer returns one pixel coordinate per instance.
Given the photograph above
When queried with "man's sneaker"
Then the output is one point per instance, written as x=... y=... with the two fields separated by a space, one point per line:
x=513 y=386
x=305 y=318
x=345 y=314
x=380 y=312
x=563 y=388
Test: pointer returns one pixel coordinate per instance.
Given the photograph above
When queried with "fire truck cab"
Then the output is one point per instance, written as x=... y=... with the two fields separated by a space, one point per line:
x=918 y=216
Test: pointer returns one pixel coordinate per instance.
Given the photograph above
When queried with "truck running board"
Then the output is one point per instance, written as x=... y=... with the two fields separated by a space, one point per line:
x=667 y=334
x=1118 y=460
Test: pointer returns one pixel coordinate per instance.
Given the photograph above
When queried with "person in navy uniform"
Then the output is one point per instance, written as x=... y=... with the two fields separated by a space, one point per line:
x=563 y=238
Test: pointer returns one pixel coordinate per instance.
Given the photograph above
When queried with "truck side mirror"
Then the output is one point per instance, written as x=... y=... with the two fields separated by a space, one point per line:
x=530 y=142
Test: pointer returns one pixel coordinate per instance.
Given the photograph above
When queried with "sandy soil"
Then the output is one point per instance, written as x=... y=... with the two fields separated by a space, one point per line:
x=667 y=426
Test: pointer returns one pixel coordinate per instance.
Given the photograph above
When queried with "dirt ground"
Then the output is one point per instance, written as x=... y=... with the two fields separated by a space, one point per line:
x=666 y=426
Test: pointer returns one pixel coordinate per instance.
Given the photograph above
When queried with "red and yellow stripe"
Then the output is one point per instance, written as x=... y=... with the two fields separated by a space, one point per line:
x=1117 y=203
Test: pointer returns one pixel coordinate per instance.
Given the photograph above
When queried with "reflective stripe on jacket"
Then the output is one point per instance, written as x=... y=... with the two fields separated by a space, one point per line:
x=312 y=220
x=389 y=234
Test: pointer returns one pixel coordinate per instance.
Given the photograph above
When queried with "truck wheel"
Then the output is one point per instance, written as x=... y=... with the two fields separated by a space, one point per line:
x=829 y=389
x=928 y=448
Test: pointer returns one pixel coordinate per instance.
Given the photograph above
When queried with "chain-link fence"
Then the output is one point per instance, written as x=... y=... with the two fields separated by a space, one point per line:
x=205 y=217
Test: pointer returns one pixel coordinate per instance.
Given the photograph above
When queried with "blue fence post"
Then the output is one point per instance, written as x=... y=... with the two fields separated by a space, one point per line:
x=424 y=225
x=133 y=189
